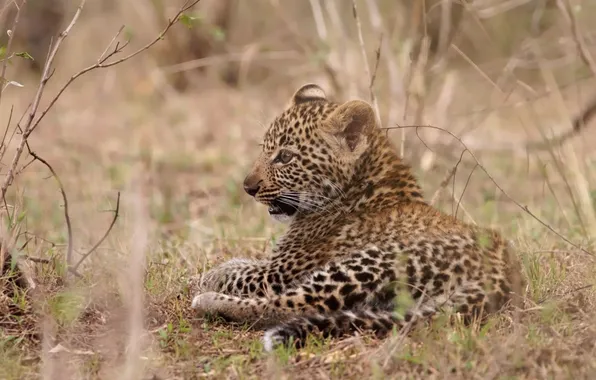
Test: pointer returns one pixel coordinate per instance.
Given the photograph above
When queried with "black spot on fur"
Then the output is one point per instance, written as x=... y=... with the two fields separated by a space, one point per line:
x=347 y=289
x=364 y=277
x=340 y=277
x=330 y=288
x=332 y=303
x=354 y=299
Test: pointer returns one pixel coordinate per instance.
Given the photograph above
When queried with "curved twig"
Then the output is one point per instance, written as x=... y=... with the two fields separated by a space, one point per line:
x=69 y=248
x=116 y=212
x=522 y=207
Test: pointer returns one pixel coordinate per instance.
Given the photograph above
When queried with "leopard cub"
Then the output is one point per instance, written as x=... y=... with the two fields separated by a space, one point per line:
x=359 y=232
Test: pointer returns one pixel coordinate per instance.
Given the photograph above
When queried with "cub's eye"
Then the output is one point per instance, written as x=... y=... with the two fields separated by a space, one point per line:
x=284 y=156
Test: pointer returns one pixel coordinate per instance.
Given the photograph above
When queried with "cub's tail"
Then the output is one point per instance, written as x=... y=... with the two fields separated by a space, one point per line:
x=339 y=323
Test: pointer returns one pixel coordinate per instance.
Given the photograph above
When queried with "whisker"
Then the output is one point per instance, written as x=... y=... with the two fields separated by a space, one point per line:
x=321 y=202
x=294 y=203
x=293 y=199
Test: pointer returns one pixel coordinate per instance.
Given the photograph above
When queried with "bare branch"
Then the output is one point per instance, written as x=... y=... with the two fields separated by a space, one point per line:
x=117 y=49
x=30 y=125
x=171 y=22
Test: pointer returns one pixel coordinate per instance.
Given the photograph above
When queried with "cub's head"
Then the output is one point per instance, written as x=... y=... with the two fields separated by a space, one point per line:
x=309 y=153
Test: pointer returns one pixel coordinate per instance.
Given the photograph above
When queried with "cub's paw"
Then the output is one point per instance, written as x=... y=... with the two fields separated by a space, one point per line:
x=279 y=336
x=218 y=279
x=273 y=339
x=207 y=303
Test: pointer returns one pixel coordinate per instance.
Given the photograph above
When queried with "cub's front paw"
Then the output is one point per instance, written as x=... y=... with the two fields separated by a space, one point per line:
x=207 y=303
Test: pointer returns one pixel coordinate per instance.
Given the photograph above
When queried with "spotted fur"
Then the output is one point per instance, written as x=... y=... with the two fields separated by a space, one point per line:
x=359 y=232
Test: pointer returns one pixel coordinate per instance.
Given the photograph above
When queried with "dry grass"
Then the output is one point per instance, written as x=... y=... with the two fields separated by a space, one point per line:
x=179 y=159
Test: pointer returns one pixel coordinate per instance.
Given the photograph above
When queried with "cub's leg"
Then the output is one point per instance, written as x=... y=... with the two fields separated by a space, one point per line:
x=238 y=277
x=352 y=282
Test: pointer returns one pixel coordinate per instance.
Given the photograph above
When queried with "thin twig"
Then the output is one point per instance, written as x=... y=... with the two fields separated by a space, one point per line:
x=377 y=60
x=459 y=161
x=74 y=268
x=522 y=207
x=103 y=56
x=463 y=191
x=443 y=184
x=116 y=212
x=69 y=248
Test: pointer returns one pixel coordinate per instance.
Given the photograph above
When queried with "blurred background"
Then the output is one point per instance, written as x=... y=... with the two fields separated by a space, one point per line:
x=179 y=125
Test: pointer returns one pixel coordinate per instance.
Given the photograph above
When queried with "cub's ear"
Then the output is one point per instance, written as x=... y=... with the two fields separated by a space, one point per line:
x=352 y=123
x=307 y=93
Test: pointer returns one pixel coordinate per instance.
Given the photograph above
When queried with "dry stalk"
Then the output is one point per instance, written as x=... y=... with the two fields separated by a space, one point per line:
x=373 y=98
x=396 y=86
x=576 y=32
x=559 y=103
x=500 y=7
x=134 y=282
x=340 y=44
x=229 y=57
x=309 y=47
x=317 y=12
x=377 y=60
x=547 y=143
x=13 y=29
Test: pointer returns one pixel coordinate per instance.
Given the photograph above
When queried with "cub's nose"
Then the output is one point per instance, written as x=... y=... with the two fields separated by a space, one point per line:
x=252 y=185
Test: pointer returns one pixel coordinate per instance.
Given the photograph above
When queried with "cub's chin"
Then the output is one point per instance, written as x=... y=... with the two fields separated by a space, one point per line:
x=282 y=212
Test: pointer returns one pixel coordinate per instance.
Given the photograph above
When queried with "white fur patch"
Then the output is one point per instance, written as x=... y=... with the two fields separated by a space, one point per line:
x=270 y=340
x=196 y=301
x=205 y=302
x=282 y=218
